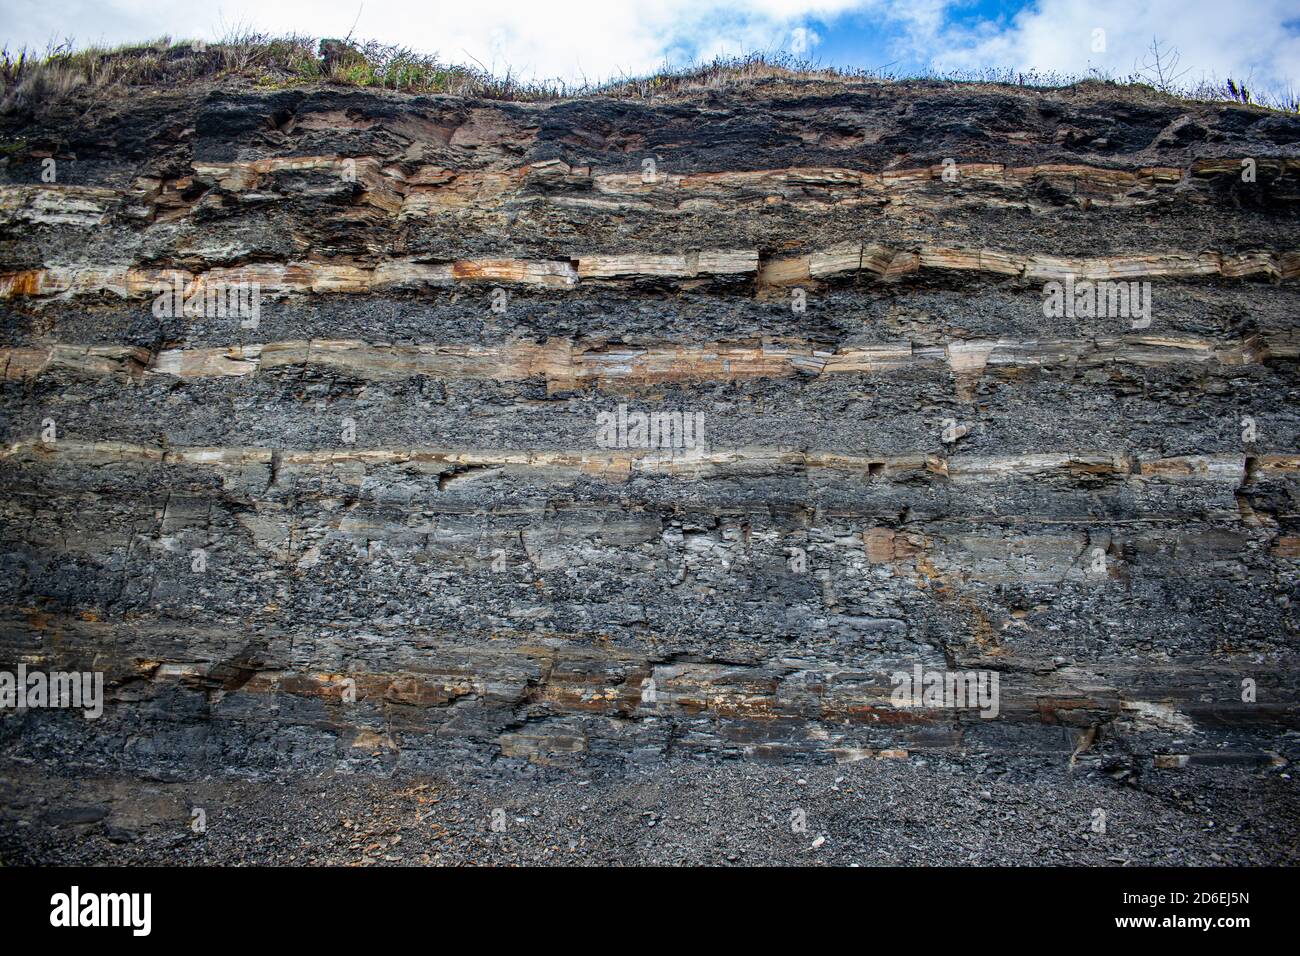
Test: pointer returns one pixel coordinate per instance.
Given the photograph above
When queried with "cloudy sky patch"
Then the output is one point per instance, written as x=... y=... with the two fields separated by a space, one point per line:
x=596 y=40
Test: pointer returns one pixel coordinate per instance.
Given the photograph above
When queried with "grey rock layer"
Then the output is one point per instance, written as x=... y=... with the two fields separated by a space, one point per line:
x=377 y=525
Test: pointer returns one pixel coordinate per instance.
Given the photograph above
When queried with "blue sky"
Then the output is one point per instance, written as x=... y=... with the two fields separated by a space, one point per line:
x=865 y=40
x=1257 y=42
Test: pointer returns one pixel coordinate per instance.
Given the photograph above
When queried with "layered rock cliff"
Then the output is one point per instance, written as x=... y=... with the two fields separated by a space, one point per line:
x=374 y=522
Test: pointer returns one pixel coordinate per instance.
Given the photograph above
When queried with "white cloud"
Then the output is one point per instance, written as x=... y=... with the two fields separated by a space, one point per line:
x=1215 y=41
x=600 y=39
x=592 y=38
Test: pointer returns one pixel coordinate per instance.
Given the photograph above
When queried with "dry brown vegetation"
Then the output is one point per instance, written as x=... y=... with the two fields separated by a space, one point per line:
x=34 y=82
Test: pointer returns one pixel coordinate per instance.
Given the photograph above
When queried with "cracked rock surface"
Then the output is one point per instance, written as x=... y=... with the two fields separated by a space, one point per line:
x=369 y=537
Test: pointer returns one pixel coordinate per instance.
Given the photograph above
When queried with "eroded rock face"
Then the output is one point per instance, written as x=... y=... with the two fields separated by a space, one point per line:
x=607 y=432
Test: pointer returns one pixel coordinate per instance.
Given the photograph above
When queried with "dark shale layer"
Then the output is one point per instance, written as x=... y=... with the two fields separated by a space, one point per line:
x=391 y=483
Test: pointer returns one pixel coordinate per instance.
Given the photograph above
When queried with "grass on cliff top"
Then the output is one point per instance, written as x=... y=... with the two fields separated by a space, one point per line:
x=34 y=83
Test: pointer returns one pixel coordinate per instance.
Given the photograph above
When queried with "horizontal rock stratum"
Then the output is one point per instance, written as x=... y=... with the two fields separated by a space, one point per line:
x=347 y=429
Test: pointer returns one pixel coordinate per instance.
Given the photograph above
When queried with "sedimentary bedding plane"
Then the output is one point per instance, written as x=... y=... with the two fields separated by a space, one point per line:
x=362 y=514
